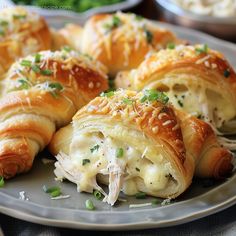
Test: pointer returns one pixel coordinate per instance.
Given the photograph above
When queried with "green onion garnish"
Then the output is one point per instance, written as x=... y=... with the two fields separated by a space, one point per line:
x=18 y=17
x=116 y=22
x=149 y=35
x=51 y=189
x=108 y=94
x=67 y=48
x=155 y=201
x=94 y=148
x=2 y=32
x=180 y=103
x=89 y=205
x=37 y=58
x=97 y=194
x=3 y=23
x=203 y=49
x=140 y=195
x=171 y=46
x=85 y=161
x=55 y=193
x=1 y=182
x=128 y=101
x=35 y=68
x=119 y=152
x=46 y=72
x=26 y=63
x=138 y=17
x=56 y=86
x=154 y=95
x=23 y=84
x=227 y=73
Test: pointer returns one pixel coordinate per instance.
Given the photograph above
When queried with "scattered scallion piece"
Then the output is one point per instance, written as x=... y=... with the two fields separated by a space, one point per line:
x=56 y=86
x=227 y=73
x=26 y=63
x=2 y=32
x=2 y=183
x=97 y=194
x=3 y=23
x=119 y=152
x=154 y=95
x=89 y=205
x=156 y=201
x=35 y=68
x=149 y=35
x=108 y=94
x=46 y=72
x=180 y=103
x=23 y=84
x=37 y=58
x=18 y=17
x=128 y=101
x=51 y=189
x=138 y=17
x=203 y=49
x=94 y=148
x=140 y=195
x=85 y=161
x=55 y=193
x=116 y=22
x=67 y=48
x=171 y=46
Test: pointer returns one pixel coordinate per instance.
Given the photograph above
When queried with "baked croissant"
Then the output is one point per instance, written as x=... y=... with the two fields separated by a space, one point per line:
x=42 y=92
x=135 y=142
x=197 y=80
x=21 y=33
x=120 y=41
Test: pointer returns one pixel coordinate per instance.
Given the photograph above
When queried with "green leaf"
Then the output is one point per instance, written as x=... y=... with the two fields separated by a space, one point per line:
x=171 y=46
x=119 y=152
x=98 y=195
x=128 y=101
x=37 y=58
x=108 y=94
x=89 y=205
x=140 y=195
x=56 y=86
x=149 y=35
x=85 y=161
x=94 y=148
x=26 y=63
x=18 y=17
x=2 y=183
x=203 y=49
x=35 y=68
x=154 y=95
x=46 y=72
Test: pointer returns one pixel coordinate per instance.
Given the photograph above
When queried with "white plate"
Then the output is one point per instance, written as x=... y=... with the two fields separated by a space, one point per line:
x=195 y=203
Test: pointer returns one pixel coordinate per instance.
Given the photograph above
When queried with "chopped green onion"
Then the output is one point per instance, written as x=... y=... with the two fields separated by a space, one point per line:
x=149 y=35
x=116 y=22
x=119 y=152
x=227 y=73
x=156 y=201
x=128 y=101
x=140 y=195
x=89 y=205
x=203 y=49
x=154 y=95
x=67 y=48
x=51 y=189
x=94 y=148
x=3 y=23
x=1 y=182
x=138 y=17
x=26 y=63
x=46 y=72
x=98 y=195
x=24 y=84
x=180 y=103
x=171 y=46
x=55 y=193
x=18 y=17
x=56 y=86
x=37 y=58
x=85 y=161
x=108 y=94
x=2 y=32
x=137 y=169
x=35 y=68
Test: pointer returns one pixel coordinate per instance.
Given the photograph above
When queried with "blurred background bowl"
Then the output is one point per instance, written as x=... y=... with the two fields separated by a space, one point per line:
x=222 y=27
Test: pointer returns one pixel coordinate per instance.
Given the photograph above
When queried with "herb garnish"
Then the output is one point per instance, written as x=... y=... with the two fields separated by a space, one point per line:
x=119 y=152
x=35 y=68
x=46 y=72
x=116 y=22
x=203 y=49
x=54 y=191
x=89 y=205
x=3 y=23
x=26 y=63
x=154 y=95
x=94 y=148
x=67 y=48
x=24 y=84
x=227 y=73
x=149 y=35
x=37 y=58
x=180 y=103
x=107 y=94
x=128 y=101
x=85 y=161
x=171 y=46
x=138 y=17
x=97 y=194
x=1 y=182
x=18 y=17
x=140 y=195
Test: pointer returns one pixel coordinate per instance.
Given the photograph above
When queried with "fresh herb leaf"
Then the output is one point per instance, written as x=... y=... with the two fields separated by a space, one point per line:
x=2 y=32
x=203 y=49
x=227 y=73
x=85 y=161
x=24 y=84
x=18 y=17
x=108 y=94
x=26 y=63
x=119 y=152
x=154 y=95
x=140 y=195
x=180 y=103
x=89 y=205
x=51 y=189
x=116 y=22
x=94 y=148
x=55 y=193
x=67 y=48
x=149 y=35
x=37 y=58
x=46 y=72
x=2 y=183
x=56 y=86
x=35 y=68
x=171 y=46
x=138 y=17
x=3 y=23
x=156 y=201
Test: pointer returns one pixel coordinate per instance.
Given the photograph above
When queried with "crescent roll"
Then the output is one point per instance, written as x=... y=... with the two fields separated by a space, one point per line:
x=21 y=33
x=120 y=41
x=136 y=142
x=42 y=92
x=197 y=80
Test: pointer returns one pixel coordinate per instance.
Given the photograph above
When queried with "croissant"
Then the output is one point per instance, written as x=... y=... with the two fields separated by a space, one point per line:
x=42 y=92
x=136 y=142
x=197 y=80
x=21 y=33
x=120 y=40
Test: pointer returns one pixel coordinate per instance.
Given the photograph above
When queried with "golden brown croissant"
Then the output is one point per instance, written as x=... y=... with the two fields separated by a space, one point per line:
x=197 y=80
x=136 y=142
x=21 y=33
x=120 y=41
x=41 y=93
